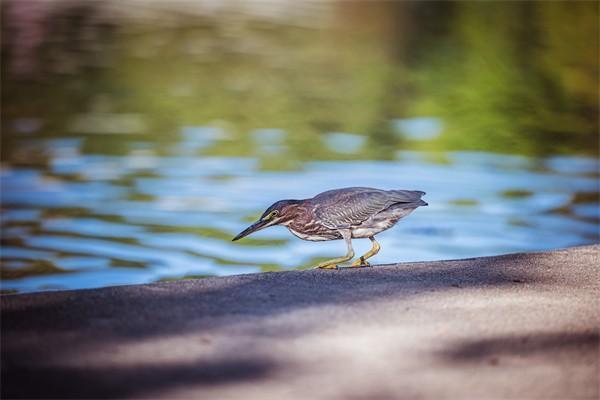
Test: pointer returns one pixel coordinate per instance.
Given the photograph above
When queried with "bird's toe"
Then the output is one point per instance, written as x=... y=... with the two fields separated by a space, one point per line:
x=361 y=262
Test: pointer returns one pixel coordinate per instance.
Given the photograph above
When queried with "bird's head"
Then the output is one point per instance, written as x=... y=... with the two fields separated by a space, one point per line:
x=279 y=212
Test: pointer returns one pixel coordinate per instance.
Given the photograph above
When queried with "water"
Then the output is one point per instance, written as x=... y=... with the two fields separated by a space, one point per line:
x=143 y=217
x=135 y=146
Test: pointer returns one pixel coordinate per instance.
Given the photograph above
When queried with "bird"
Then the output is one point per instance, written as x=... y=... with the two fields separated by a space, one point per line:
x=346 y=213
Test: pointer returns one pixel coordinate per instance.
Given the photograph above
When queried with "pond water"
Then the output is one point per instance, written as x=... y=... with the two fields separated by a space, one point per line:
x=142 y=217
x=137 y=143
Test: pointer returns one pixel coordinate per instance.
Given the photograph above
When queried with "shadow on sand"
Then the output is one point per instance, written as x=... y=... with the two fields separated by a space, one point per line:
x=40 y=331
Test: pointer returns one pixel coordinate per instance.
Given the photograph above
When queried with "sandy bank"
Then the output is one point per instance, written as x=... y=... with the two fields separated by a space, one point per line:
x=514 y=326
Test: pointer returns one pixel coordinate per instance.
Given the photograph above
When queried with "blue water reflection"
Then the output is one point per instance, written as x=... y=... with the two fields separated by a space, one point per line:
x=143 y=217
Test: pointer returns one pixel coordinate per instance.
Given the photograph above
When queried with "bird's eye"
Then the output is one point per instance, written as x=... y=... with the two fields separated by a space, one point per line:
x=271 y=215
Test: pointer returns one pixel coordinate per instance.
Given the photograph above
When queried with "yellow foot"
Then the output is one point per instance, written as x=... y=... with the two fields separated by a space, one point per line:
x=361 y=262
x=326 y=266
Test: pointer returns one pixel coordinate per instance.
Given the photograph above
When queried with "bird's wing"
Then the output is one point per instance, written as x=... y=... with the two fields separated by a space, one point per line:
x=342 y=208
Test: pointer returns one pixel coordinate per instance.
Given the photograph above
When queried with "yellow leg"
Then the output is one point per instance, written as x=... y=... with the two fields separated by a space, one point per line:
x=362 y=261
x=330 y=264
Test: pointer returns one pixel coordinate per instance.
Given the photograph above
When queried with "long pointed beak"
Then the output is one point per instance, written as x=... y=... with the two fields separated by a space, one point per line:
x=257 y=226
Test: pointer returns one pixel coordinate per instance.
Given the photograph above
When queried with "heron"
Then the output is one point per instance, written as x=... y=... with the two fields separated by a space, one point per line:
x=347 y=213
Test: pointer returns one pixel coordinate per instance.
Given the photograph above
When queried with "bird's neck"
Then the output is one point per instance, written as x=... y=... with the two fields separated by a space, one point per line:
x=298 y=212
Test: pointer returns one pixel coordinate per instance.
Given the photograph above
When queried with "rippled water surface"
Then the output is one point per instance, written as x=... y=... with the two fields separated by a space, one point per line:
x=139 y=137
x=94 y=220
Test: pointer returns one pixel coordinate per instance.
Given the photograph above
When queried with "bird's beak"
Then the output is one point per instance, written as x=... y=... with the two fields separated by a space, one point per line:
x=255 y=227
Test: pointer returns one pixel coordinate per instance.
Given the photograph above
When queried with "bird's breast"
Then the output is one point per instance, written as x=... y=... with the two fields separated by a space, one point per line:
x=312 y=237
x=313 y=232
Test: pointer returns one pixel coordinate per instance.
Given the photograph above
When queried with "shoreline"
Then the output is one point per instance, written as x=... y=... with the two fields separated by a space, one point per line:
x=520 y=325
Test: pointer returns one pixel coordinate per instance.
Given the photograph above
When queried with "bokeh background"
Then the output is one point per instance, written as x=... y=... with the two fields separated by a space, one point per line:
x=138 y=137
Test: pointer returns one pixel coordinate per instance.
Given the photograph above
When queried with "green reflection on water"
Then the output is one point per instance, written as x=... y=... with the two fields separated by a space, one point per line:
x=31 y=268
x=586 y=197
x=464 y=202
x=516 y=77
x=516 y=194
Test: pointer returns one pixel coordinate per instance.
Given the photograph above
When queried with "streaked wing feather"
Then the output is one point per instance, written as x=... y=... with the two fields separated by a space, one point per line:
x=342 y=208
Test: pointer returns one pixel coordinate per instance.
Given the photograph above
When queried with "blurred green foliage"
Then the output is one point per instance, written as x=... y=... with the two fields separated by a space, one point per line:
x=515 y=77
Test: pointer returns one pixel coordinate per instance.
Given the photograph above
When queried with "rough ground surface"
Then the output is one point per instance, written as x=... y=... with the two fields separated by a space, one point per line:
x=519 y=326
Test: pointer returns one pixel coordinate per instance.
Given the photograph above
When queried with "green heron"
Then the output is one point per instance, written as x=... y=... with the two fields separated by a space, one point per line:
x=347 y=213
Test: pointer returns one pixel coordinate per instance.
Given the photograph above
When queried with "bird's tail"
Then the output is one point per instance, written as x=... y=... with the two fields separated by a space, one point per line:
x=409 y=196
